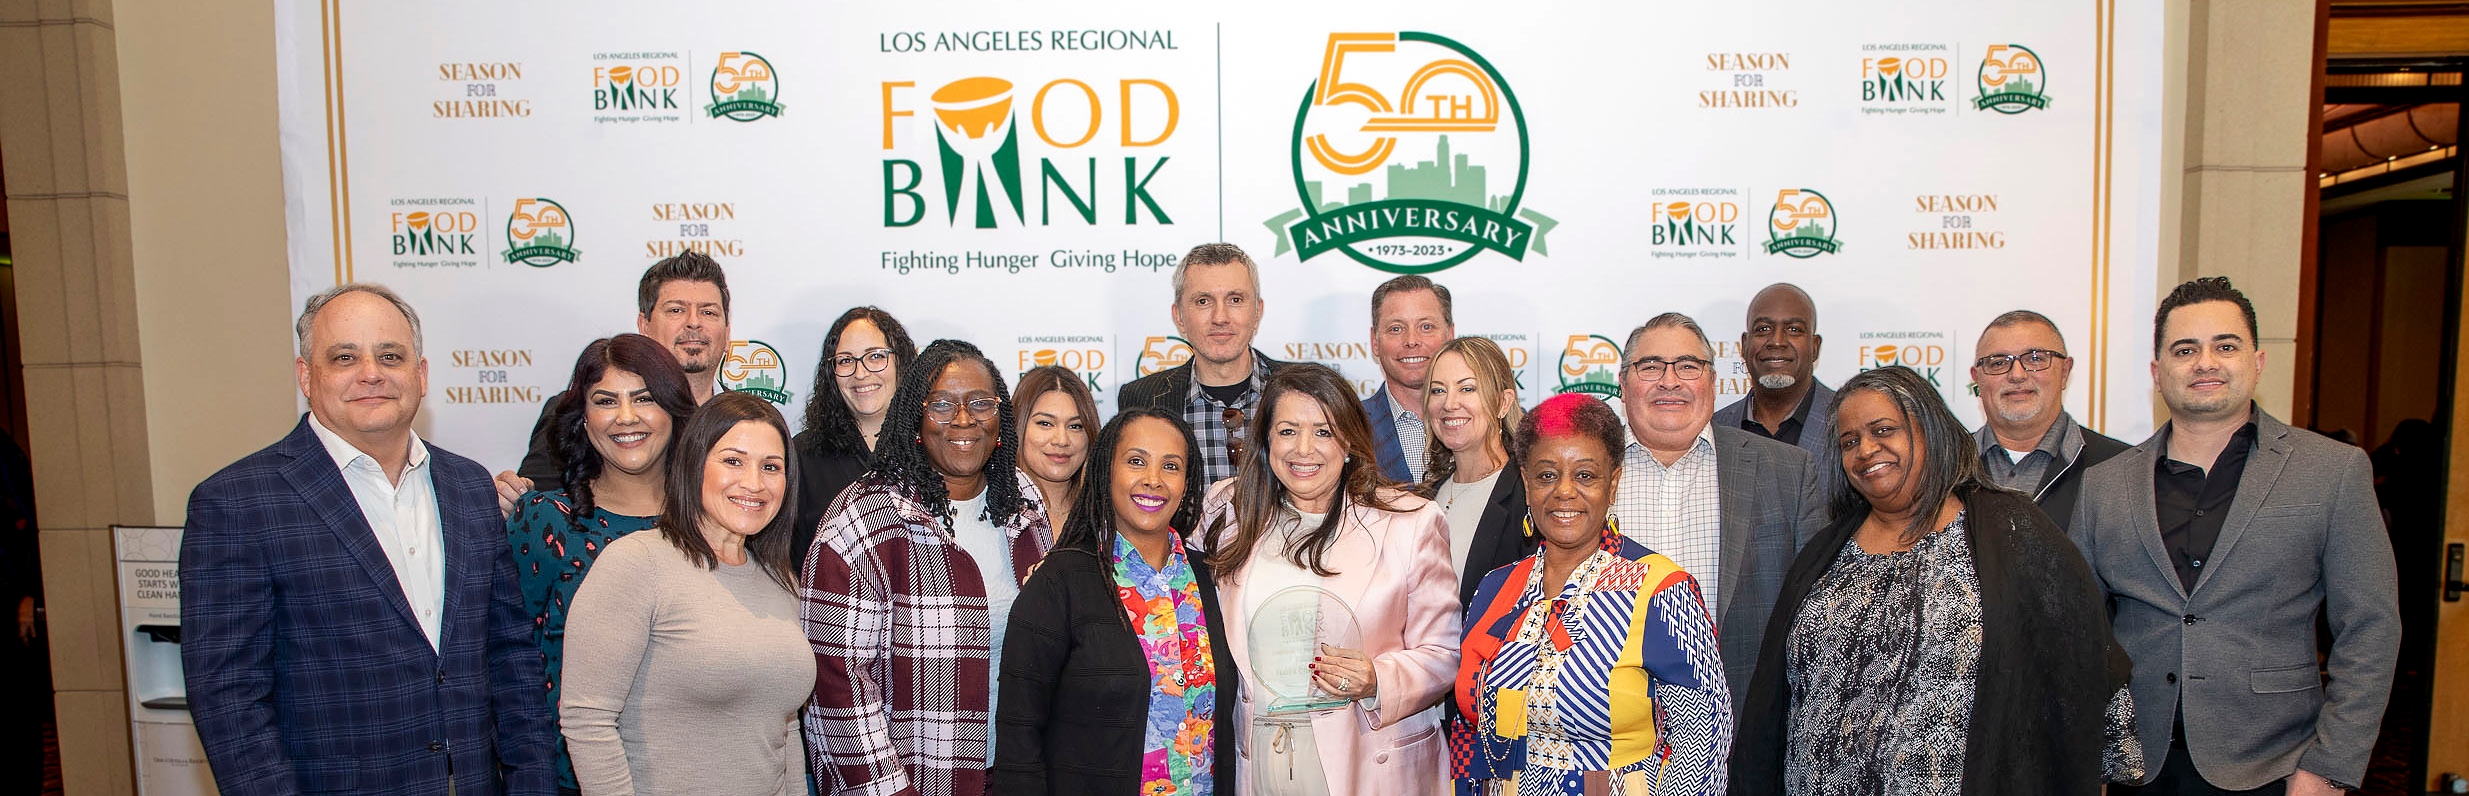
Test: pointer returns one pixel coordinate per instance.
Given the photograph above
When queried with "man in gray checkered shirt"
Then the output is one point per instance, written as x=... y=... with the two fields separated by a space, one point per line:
x=1731 y=507
x=1217 y=309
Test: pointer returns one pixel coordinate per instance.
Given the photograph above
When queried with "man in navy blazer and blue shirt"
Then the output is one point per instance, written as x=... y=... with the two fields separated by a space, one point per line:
x=349 y=616
x=1411 y=320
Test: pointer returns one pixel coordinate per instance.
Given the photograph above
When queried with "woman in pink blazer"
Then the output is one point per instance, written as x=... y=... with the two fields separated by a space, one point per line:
x=1308 y=507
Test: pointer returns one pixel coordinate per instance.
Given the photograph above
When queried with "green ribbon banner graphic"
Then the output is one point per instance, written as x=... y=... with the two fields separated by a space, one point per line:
x=1392 y=218
x=2034 y=101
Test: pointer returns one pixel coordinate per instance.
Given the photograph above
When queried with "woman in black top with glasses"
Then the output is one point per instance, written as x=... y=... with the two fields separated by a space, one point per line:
x=862 y=359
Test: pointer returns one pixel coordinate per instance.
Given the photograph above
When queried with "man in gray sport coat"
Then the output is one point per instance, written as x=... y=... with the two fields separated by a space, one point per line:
x=1730 y=507
x=2218 y=540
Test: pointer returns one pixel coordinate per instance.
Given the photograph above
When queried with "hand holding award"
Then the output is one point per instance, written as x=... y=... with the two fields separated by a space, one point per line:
x=1289 y=631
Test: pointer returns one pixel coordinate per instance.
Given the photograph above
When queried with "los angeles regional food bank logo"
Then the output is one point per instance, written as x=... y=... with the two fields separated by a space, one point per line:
x=2011 y=80
x=1414 y=98
x=1590 y=364
x=540 y=234
x=1801 y=225
x=754 y=368
x=744 y=88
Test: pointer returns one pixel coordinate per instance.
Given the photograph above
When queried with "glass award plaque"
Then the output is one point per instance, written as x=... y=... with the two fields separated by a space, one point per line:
x=1286 y=633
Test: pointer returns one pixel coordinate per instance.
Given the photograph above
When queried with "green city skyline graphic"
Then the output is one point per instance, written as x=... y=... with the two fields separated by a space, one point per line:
x=761 y=380
x=1808 y=229
x=1444 y=178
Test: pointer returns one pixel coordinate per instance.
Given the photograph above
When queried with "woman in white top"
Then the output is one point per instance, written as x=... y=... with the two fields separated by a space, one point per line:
x=1470 y=406
x=685 y=665
x=1308 y=507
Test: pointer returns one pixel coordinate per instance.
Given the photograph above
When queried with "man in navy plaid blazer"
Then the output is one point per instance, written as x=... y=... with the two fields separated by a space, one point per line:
x=349 y=615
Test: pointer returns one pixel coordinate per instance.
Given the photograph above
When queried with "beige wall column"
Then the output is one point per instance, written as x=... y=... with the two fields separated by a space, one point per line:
x=2249 y=72
x=178 y=221
x=77 y=295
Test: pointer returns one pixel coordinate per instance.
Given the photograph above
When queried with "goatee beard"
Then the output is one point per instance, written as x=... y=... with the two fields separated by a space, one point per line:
x=1777 y=381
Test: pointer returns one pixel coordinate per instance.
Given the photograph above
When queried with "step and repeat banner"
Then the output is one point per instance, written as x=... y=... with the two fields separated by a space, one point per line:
x=1025 y=176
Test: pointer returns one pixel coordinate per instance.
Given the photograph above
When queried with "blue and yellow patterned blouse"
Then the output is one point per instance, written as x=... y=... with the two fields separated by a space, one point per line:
x=1612 y=686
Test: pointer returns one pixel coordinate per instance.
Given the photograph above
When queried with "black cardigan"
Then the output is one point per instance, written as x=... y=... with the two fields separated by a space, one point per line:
x=821 y=476
x=1074 y=707
x=1500 y=537
x=2048 y=662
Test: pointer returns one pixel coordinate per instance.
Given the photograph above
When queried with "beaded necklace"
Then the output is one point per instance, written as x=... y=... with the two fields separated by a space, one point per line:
x=1554 y=631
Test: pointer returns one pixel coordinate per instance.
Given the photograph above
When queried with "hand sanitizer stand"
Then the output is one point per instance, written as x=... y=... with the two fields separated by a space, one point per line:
x=169 y=760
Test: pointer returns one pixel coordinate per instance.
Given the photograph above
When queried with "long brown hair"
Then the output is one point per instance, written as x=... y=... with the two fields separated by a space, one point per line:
x=1492 y=374
x=1260 y=499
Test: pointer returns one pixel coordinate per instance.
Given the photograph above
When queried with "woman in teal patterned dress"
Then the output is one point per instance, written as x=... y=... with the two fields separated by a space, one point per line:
x=620 y=413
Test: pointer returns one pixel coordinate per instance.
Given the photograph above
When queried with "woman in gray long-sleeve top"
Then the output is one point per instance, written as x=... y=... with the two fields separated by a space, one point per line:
x=685 y=663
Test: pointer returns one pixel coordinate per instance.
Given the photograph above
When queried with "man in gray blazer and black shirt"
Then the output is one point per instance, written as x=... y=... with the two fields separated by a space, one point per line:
x=2219 y=540
x=1730 y=507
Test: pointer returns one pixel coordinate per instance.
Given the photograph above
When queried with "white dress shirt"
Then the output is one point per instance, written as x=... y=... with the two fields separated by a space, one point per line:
x=1676 y=510
x=403 y=515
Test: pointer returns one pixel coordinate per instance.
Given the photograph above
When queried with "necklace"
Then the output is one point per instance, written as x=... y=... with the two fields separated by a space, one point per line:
x=1563 y=612
x=1452 y=489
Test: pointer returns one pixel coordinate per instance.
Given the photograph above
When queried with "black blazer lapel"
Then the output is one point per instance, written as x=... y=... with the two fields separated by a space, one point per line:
x=1499 y=537
x=320 y=483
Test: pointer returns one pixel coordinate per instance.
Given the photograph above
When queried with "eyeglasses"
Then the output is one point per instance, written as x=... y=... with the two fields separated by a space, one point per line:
x=1684 y=368
x=876 y=360
x=1234 y=435
x=2035 y=360
x=946 y=410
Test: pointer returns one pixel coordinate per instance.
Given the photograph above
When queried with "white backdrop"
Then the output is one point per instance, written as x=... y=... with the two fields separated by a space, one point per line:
x=1024 y=177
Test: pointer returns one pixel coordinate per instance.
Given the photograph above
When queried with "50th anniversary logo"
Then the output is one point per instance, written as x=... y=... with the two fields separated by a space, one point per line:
x=1417 y=97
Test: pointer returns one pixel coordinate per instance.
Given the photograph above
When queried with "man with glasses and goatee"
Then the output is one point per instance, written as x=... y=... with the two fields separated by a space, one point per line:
x=2030 y=444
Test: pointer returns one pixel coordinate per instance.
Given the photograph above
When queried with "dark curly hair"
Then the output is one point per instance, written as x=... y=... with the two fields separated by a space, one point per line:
x=632 y=353
x=681 y=518
x=1091 y=526
x=900 y=454
x=830 y=426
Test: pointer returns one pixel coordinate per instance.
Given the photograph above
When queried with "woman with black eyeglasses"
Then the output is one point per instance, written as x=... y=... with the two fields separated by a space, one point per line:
x=862 y=358
x=910 y=584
